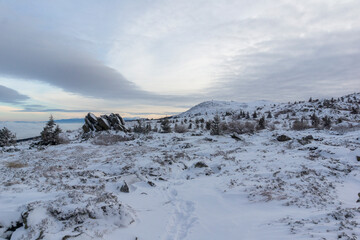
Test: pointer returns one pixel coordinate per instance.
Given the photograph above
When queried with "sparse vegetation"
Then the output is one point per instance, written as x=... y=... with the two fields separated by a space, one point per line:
x=181 y=128
x=107 y=139
x=141 y=127
x=299 y=125
x=16 y=164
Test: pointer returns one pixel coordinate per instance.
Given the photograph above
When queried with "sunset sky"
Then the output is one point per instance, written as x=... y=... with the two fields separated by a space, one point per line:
x=154 y=58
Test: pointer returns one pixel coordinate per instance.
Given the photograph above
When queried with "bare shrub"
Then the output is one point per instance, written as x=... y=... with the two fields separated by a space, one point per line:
x=240 y=127
x=344 y=128
x=299 y=125
x=141 y=127
x=224 y=127
x=286 y=111
x=249 y=127
x=110 y=139
x=181 y=128
x=236 y=127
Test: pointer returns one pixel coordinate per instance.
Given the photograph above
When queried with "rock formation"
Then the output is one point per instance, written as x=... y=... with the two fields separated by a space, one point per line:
x=104 y=122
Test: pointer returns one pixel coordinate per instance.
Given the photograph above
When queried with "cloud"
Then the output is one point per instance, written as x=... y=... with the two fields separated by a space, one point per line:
x=152 y=113
x=28 y=53
x=234 y=49
x=245 y=50
x=31 y=109
x=8 y=95
x=324 y=65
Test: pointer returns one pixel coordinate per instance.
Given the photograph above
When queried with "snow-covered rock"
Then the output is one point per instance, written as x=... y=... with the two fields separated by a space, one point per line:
x=104 y=122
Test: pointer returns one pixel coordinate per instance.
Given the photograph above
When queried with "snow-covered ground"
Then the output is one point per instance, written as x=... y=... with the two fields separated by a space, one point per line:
x=189 y=185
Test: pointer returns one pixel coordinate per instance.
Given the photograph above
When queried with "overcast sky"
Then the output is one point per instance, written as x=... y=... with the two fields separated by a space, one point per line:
x=157 y=57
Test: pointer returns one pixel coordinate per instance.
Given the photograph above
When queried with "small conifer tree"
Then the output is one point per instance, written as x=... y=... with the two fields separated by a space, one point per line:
x=215 y=126
x=50 y=133
x=165 y=126
x=254 y=115
x=261 y=123
x=7 y=138
x=269 y=115
x=326 y=122
x=315 y=121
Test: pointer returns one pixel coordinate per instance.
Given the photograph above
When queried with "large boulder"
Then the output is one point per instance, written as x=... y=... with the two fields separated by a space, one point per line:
x=103 y=123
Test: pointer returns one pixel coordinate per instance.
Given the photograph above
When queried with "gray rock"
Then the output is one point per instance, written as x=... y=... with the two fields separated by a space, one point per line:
x=103 y=123
x=86 y=128
x=200 y=165
x=283 y=138
x=92 y=118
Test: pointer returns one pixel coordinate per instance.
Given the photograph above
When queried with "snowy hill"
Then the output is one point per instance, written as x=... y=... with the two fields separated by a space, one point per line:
x=294 y=177
x=221 y=107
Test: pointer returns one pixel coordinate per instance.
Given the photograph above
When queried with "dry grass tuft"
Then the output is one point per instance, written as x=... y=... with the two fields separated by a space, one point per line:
x=16 y=164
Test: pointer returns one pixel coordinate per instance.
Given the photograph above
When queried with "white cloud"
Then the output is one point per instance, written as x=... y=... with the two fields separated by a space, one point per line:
x=224 y=47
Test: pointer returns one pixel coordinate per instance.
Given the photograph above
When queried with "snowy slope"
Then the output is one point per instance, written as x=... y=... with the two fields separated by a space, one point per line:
x=220 y=107
x=191 y=185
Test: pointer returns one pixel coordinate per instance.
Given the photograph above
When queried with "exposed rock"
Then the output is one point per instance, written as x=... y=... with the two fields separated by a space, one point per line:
x=103 y=123
x=309 y=137
x=151 y=183
x=92 y=118
x=236 y=137
x=358 y=158
x=306 y=140
x=283 y=138
x=200 y=165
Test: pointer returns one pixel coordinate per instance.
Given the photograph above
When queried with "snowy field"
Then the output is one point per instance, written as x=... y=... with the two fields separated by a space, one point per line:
x=191 y=185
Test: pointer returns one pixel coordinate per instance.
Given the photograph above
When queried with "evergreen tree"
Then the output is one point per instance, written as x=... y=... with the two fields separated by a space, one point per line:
x=7 y=138
x=165 y=126
x=269 y=115
x=50 y=133
x=254 y=115
x=315 y=121
x=326 y=122
x=215 y=126
x=261 y=123
x=208 y=125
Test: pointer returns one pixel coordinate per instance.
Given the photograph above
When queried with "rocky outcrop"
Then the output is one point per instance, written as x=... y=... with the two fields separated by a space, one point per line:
x=103 y=123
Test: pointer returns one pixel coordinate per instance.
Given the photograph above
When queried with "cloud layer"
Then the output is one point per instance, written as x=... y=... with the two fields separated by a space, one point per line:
x=28 y=53
x=8 y=95
x=245 y=50
x=144 y=52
